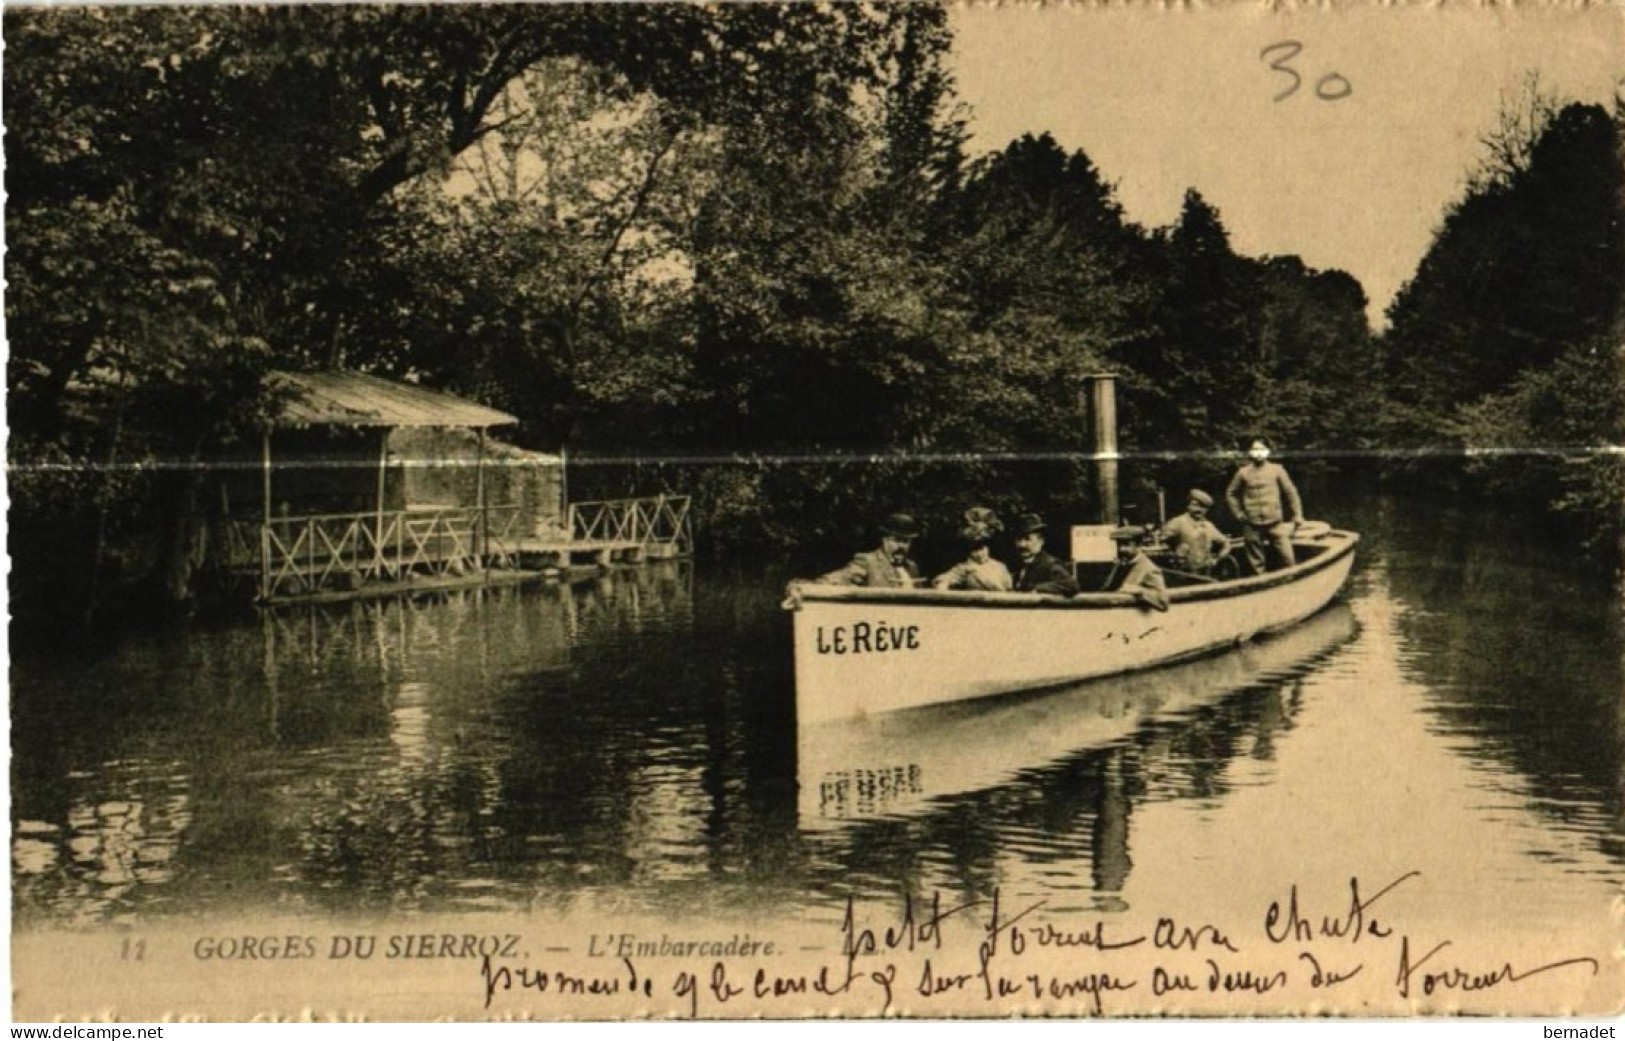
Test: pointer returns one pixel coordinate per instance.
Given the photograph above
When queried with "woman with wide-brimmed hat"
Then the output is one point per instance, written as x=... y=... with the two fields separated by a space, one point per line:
x=978 y=570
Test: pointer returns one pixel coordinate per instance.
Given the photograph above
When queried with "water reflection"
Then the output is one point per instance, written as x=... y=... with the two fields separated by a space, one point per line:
x=631 y=743
x=327 y=758
x=903 y=762
x=1047 y=800
x=1520 y=653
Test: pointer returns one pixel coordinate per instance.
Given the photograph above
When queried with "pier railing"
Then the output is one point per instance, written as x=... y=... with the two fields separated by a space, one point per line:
x=308 y=554
x=661 y=520
x=341 y=552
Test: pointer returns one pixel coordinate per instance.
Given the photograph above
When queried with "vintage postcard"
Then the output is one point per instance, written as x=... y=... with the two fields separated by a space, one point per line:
x=672 y=511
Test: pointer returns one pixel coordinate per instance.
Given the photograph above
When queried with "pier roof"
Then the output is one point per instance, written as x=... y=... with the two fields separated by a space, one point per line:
x=356 y=399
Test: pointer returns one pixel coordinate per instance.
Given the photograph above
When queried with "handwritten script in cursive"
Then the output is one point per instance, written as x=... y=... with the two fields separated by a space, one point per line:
x=1000 y=957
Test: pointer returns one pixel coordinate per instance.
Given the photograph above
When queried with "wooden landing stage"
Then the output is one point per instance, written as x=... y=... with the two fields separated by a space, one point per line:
x=624 y=531
x=413 y=585
x=556 y=552
x=351 y=557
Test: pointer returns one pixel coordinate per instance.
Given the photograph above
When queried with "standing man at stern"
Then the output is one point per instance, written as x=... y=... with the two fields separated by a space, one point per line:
x=1265 y=501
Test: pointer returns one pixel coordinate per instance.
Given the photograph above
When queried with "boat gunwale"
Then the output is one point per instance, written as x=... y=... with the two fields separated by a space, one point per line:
x=801 y=591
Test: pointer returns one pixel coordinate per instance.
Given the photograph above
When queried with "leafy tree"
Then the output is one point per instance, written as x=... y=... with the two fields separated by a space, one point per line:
x=1504 y=344
x=747 y=231
x=1319 y=369
x=1204 y=368
x=550 y=264
x=1045 y=265
x=1527 y=263
x=1553 y=435
x=255 y=171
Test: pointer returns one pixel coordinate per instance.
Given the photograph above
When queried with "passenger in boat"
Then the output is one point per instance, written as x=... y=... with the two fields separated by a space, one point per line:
x=888 y=567
x=1196 y=543
x=1265 y=501
x=1135 y=573
x=1037 y=571
x=979 y=571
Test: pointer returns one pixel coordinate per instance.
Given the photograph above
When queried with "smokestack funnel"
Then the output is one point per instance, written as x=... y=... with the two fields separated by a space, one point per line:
x=1100 y=406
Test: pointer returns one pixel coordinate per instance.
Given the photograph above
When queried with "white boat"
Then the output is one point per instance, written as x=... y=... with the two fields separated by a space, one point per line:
x=861 y=652
x=905 y=763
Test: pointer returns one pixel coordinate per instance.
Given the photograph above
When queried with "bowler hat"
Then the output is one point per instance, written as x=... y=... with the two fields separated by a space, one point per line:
x=900 y=526
x=1201 y=498
x=1029 y=523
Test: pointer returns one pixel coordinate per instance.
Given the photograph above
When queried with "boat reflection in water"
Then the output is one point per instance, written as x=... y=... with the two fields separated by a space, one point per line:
x=903 y=763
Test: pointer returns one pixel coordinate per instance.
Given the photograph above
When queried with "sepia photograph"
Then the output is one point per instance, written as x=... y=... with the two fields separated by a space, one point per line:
x=786 y=510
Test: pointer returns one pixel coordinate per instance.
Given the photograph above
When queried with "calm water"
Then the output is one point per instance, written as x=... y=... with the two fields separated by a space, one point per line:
x=630 y=743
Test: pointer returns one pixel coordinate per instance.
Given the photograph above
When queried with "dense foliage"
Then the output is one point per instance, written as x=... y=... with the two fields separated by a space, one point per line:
x=738 y=250
x=1508 y=346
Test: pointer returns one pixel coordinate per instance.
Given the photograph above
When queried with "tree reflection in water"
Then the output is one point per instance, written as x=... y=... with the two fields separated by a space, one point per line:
x=510 y=749
x=632 y=741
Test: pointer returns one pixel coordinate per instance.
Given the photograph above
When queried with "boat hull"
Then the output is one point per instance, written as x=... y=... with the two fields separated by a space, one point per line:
x=904 y=763
x=862 y=652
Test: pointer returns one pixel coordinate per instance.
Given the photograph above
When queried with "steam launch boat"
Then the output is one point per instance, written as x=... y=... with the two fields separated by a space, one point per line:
x=862 y=651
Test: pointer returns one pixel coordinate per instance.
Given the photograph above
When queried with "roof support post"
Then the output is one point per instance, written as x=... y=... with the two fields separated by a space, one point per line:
x=483 y=545
x=566 y=514
x=265 y=515
x=378 y=519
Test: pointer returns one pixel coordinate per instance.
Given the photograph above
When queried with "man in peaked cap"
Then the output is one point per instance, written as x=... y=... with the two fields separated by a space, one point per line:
x=1135 y=574
x=1196 y=543
x=1036 y=570
x=888 y=567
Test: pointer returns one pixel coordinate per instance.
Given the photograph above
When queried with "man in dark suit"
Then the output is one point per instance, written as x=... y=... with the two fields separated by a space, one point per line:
x=888 y=567
x=1036 y=571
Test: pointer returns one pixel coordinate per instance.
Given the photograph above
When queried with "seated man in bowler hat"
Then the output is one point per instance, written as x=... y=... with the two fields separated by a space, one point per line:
x=1037 y=571
x=888 y=567
x=1135 y=574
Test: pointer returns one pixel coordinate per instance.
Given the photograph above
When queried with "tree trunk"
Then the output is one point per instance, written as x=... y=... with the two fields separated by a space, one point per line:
x=186 y=547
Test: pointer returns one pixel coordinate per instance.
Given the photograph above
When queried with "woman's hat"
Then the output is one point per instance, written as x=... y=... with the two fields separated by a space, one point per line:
x=981 y=525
